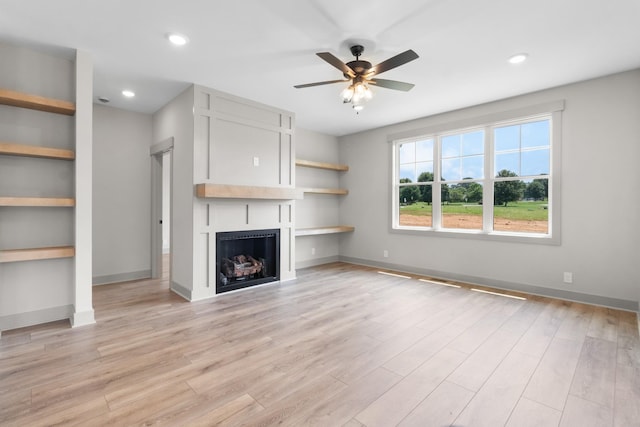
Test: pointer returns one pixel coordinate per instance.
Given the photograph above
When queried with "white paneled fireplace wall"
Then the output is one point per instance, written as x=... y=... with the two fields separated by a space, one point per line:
x=240 y=155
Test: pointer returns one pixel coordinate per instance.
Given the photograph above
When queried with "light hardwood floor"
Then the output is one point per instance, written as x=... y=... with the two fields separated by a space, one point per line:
x=341 y=346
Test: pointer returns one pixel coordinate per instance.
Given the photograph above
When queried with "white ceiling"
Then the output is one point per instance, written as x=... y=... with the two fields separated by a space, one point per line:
x=259 y=49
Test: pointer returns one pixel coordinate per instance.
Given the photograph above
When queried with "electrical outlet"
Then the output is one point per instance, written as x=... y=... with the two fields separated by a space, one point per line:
x=256 y=161
x=385 y=253
x=313 y=251
x=568 y=277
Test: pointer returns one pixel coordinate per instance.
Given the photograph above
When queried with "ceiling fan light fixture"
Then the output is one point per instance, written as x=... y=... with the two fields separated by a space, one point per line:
x=347 y=94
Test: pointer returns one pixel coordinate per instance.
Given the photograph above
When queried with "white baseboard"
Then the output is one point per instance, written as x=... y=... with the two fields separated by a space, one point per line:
x=37 y=317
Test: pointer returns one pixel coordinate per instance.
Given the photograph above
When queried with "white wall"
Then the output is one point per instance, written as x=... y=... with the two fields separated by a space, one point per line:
x=121 y=194
x=317 y=210
x=600 y=203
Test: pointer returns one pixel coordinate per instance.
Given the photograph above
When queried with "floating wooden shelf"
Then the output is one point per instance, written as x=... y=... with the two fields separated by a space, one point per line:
x=37 y=201
x=338 y=191
x=15 y=255
x=321 y=165
x=313 y=231
x=35 y=102
x=224 y=191
x=11 y=149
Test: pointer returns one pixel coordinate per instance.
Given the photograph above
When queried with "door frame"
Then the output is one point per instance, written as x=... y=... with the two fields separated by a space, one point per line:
x=157 y=152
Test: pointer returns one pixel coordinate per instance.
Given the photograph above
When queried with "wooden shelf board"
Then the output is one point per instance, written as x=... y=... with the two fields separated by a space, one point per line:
x=225 y=191
x=16 y=255
x=37 y=201
x=35 y=102
x=313 y=231
x=337 y=191
x=11 y=149
x=321 y=165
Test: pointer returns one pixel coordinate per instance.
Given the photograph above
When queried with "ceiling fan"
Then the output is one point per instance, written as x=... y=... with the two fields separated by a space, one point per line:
x=360 y=74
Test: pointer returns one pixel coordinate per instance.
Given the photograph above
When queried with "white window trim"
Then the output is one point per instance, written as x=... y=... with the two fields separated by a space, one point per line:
x=492 y=120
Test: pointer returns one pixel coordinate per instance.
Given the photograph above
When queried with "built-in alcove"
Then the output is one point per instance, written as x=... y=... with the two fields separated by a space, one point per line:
x=247 y=258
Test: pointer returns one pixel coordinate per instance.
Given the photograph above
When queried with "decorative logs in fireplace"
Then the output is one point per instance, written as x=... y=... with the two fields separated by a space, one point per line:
x=242 y=266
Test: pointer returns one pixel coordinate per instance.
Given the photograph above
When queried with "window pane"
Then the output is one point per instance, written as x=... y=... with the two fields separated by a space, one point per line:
x=407 y=152
x=508 y=161
x=473 y=143
x=535 y=162
x=473 y=167
x=424 y=171
x=415 y=206
x=458 y=211
x=451 y=146
x=451 y=169
x=536 y=134
x=507 y=138
x=408 y=172
x=424 y=150
x=529 y=213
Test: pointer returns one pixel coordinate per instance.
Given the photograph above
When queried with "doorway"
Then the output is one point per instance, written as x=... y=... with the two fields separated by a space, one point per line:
x=161 y=209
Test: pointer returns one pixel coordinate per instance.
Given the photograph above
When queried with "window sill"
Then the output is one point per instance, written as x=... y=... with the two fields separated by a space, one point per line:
x=496 y=236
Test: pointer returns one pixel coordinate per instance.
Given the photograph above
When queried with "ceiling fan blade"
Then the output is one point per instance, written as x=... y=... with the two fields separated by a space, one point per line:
x=394 y=62
x=331 y=59
x=392 y=84
x=328 y=82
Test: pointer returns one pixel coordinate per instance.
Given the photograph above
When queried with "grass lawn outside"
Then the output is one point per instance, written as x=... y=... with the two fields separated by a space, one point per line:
x=520 y=216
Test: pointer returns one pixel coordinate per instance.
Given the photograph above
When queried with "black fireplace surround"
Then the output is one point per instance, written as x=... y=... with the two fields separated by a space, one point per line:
x=247 y=258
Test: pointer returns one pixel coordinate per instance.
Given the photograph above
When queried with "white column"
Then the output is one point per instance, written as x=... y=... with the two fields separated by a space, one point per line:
x=83 y=305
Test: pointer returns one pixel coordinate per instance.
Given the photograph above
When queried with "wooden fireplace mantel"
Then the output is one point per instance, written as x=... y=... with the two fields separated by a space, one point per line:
x=227 y=191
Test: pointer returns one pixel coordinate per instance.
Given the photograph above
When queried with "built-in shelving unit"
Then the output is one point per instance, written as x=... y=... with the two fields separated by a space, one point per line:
x=333 y=229
x=50 y=105
x=35 y=102
x=12 y=149
x=315 y=231
x=226 y=191
x=37 y=201
x=335 y=191
x=32 y=254
x=321 y=165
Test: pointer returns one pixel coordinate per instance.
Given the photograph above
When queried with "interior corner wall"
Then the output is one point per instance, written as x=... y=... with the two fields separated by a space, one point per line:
x=317 y=210
x=121 y=195
x=176 y=120
x=600 y=202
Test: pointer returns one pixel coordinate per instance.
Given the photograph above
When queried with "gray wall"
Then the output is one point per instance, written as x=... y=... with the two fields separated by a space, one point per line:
x=121 y=195
x=317 y=210
x=176 y=120
x=600 y=203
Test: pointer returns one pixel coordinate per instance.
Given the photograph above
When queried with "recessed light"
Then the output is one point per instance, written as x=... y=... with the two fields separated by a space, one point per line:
x=128 y=93
x=518 y=58
x=177 y=39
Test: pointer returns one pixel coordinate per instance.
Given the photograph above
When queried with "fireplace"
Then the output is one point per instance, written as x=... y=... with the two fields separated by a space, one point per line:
x=247 y=258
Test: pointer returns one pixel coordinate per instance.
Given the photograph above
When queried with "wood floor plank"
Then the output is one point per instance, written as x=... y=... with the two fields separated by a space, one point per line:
x=594 y=379
x=493 y=403
x=411 y=390
x=552 y=379
x=583 y=413
x=533 y=414
x=627 y=396
x=440 y=408
x=345 y=405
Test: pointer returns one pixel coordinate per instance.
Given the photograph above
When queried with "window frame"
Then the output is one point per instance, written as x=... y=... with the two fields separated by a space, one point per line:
x=488 y=123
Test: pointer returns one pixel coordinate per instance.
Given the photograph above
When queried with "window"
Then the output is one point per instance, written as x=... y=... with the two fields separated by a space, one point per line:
x=493 y=180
